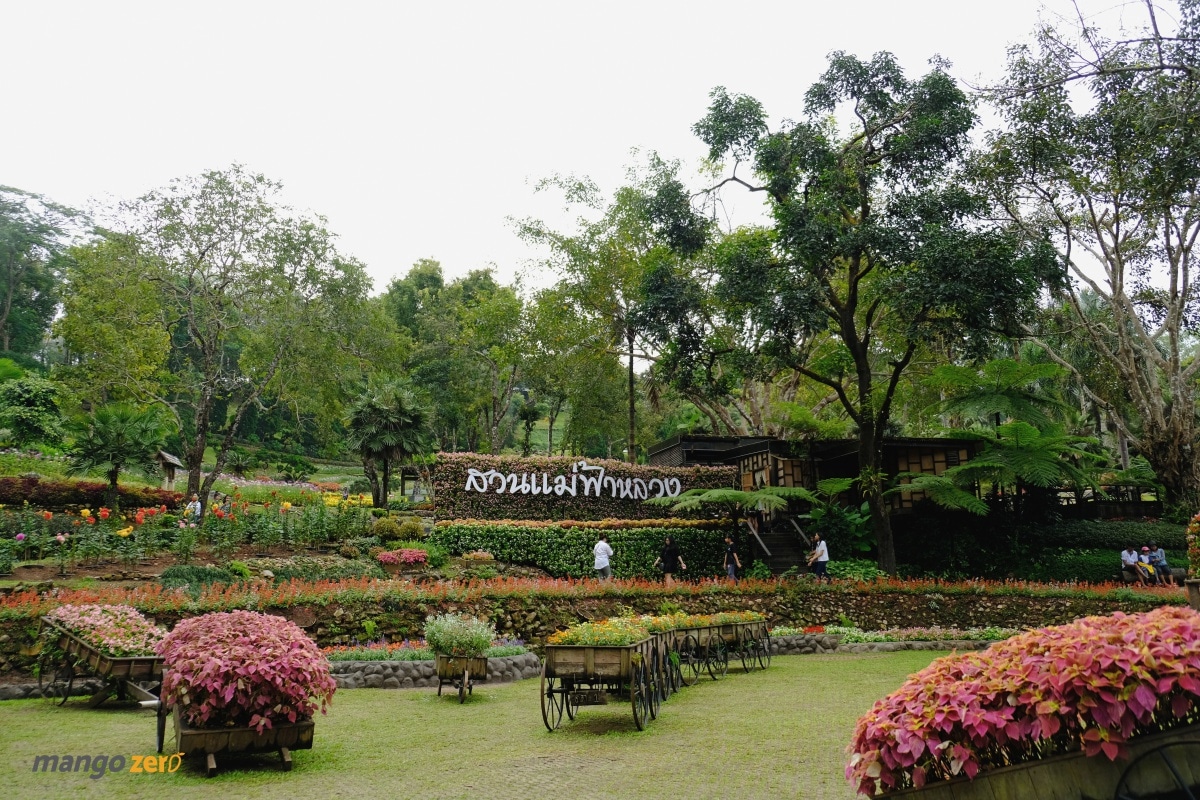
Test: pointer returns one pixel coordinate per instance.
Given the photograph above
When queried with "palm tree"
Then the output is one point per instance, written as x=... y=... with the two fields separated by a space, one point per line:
x=114 y=438
x=387 y=425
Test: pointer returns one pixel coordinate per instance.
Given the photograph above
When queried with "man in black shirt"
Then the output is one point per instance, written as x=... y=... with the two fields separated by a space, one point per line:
x=732 y=562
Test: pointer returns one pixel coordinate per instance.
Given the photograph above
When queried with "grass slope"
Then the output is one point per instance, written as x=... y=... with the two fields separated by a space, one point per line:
x=779 y=733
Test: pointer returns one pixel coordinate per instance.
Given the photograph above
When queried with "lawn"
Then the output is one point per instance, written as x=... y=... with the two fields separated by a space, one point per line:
x=779 y=733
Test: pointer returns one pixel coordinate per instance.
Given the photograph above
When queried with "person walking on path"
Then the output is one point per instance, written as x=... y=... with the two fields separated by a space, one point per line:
x=732 y=562
x=818 y=559
x=670 y=561
x=603 y=553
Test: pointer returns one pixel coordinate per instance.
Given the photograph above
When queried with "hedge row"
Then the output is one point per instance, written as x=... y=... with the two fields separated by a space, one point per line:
x=61 y=494
x=1080 y=564
x=1114 y=535
x=567 y=552
x=621 y=492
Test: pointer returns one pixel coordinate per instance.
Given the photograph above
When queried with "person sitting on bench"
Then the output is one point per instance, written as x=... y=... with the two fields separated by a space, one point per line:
x=1158 y=560
x=1132 y=565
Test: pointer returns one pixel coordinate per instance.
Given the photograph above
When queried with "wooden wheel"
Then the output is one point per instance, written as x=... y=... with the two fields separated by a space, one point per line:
x=464 y=685
x=718 y=659
x=747 y=650
x=1167 y=771
x=553 y=700
x=571 y=705
x=654 y=685
x=691 y=661
x=638 y=696
x=764 y=650
x=56 y=674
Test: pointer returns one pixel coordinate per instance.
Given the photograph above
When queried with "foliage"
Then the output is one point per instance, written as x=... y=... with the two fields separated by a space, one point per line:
x=195 y=578
x=33 y=239
x=118 y=631
x=60 y=494
x=1193 y=547
x=855 y=569
x=458 y=635
x=408 y=556
x=315 y=568
x=853 y=635
x=29 y=409
x=411 y=529
x=243 y=669
x=387 y=529
x=1092 y=684
x=387 y=425
x=759 y=570
x=450 y=476
x=116 y=437
x=612 y=632
x=565 y=551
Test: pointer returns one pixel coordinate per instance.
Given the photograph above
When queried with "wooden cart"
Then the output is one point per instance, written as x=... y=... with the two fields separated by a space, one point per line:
x=584 y=675
x=136 y=677
x=461 y=672
x=281 y=738
x=750 y=641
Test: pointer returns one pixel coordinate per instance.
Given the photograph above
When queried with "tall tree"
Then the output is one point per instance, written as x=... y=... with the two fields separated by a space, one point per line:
x=387 y=425
x=249 y=292
x=29 y=410
x=1100 y=143
x=115 y=438
x=34 y=235
x=874 y=241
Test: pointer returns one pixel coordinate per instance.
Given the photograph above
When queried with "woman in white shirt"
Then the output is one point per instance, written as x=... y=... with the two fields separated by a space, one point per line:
x=603 y=552
x=818 y=559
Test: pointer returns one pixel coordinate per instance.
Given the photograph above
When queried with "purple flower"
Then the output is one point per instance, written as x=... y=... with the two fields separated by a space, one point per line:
x=20 y=537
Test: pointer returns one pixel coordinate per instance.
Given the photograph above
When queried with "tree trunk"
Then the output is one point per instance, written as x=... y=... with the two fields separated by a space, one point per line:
x=112 y=495
x=870 y=461
x=386 y=483
x=373 y=479
x=632 y=404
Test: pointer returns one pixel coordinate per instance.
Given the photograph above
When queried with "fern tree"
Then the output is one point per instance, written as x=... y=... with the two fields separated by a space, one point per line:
x=115 y=438
x=387 y=425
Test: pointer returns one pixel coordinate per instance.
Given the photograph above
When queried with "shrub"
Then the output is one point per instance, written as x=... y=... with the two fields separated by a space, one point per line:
x=759 y=571
x=349 y=551
x=411 y=529
x=239 y=569
x=378 y=512
x=118 y=631
x=458 y=635
x=1091 y=684
x=244 y=669
x=195 y=578
x=7 y=547
x=315 y=568
x=58 y=494
x=387 y=529
x=856 y=569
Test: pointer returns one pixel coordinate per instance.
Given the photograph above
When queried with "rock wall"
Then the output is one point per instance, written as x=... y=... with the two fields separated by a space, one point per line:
x=418 y=674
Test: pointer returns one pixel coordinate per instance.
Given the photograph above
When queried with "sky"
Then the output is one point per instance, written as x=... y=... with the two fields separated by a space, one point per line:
x=421 y=130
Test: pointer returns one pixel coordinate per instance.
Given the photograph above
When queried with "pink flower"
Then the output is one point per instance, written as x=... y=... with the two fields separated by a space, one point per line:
x=20 y=537
x=62 y=538
x=182 y=524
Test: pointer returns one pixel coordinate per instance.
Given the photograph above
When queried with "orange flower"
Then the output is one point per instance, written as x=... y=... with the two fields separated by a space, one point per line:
x=104 y=512
x=46 y=515
x=140 y=518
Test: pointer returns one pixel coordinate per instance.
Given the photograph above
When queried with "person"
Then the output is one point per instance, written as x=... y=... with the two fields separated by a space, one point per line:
x=1158 y=560
x=670 y=561
x=1131 y=564
x=732 y=562
x=818 y=559
x=603 y=553
x=1152 y=574
x=193 y=508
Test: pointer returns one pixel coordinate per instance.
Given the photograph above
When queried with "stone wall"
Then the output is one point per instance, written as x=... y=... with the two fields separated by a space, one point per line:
x=418 y=674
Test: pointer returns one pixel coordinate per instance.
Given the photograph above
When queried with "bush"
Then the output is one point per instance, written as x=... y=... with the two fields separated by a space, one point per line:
x=358 y=486
x=856 y=569
x=308 y=568
x=349 y=551
x=458 y=635
x=411 y=529
x=239 y=569
x=387 y=529
x=378 y=512
x=1091 y=684
x=244 y=669
x=194 y=578
x=59 y=494
x=567 y=551
x=1093 y=566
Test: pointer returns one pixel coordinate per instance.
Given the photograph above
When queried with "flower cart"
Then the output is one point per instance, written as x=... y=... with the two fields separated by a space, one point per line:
x=584 y=675
x=461 y=672
x=68 y=656
x=750 y=640
x=282 y=738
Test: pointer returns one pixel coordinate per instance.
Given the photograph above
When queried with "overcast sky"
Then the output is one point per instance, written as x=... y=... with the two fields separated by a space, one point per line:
x=418 y=130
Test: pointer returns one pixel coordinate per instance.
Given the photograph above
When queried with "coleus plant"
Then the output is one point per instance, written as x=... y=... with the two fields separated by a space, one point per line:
x=1092 y=685
x=244 y=669
x=115 y=630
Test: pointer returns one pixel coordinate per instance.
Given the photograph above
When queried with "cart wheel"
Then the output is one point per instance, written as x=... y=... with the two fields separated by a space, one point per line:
x=1162 y=772
x=439 y=686
x=718 y=659
x=690 y=661
x=747 y=651
x=654 y=685
x=553 y=700
x=55 y=677
x=638 y=697
x=764 y=651
x=572 y=705
x=463 y=685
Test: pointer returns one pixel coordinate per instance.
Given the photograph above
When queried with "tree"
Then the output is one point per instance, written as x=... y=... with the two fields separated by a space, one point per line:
x=33 y=239
x=1113 y=170
x=29 y=410
x=1001 y=390
x=115 y=438
x=387 y=425
x=253 y=297
x=875 y=243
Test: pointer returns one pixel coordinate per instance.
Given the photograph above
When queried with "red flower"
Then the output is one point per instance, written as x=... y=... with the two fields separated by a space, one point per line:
x=46 y=515
x=139 y=518
x=219 y=513
x=90 y=521
x=104 y=512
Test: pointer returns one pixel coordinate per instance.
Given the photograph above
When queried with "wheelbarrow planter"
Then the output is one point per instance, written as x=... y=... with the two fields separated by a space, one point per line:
x=461 y=672
x=210 y=742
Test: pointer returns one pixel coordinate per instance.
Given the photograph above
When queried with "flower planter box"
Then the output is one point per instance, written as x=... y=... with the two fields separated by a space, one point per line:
x=121 y=675
x=1071 y=776
x=282 y=738
x=462 y=672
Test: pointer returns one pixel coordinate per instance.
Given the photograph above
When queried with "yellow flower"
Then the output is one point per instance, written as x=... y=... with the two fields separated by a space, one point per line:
x=125 y=531
x=285 y=505
x=85 y=512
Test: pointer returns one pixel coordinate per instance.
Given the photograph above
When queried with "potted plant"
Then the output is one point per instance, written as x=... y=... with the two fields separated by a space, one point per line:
x=1192 y=582
x=460 y=643
x=241 y=681
x=1045 y=713
x=115 y=642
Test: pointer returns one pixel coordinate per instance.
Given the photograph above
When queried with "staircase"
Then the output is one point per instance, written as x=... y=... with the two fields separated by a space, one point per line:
x=787 y=550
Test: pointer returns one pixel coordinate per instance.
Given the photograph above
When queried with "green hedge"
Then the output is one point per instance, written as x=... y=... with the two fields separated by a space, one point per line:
x=1093 y=566
x=567 y=552
x=452 y=474
x=1114 y=535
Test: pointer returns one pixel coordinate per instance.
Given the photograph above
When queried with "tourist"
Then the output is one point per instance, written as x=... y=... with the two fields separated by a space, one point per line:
x=193 y=508
x=732 y=562
x=818 y=559
x=1152 y=574
x=670 y=561
x=603 y=553
x=1158 y=560
x=1131 y=564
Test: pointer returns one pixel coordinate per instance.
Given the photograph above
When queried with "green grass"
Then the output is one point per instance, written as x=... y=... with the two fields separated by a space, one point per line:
x=779 y=733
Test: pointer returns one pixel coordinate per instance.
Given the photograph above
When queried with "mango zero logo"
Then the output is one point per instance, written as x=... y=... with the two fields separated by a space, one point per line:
x=97 y=766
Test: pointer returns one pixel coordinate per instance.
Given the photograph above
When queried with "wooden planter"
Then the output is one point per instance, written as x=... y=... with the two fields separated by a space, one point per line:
x=1072 y=776
x=282 y=738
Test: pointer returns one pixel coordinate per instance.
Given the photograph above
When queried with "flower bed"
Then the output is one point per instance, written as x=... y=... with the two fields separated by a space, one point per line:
x=412 y=650
x=242 y=669
x=612 y=632
x=852 y=635
x=1093 y=685
x=118 y=631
